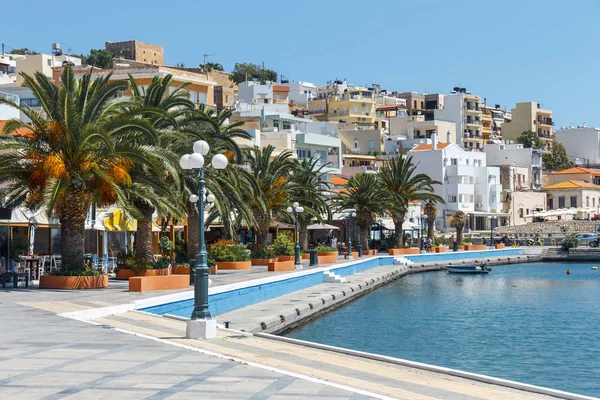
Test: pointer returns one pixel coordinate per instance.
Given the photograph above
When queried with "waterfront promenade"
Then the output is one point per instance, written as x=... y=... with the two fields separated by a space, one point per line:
x=139 y=355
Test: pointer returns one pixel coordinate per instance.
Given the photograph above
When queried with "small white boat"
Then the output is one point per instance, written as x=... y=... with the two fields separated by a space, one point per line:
x=468 y=269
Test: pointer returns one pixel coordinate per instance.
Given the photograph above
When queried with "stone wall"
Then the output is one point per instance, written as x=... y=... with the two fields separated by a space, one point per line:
x=543 y=229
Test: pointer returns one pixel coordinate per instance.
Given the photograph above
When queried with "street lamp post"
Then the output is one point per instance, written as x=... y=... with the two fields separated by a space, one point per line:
x=349 y=215
x=201 y=324
x=421 y=225
x=491 y=219
x=296 y=210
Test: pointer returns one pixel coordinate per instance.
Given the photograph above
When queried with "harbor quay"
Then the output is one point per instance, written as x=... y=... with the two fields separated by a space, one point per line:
x=100 y=344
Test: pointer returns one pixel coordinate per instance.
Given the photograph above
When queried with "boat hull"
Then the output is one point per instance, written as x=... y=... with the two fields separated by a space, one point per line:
x=467 y=269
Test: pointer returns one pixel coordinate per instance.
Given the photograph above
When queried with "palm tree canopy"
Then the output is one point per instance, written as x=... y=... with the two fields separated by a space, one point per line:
x=365 y=194
x=459 y=219
x=310 y=188
x=403 y=185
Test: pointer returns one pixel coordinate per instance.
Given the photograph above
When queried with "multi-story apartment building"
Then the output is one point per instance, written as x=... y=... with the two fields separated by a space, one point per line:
x=138 y=51
x=492 y=119
x=200 y=90
x=408 y=131
x=356 y=106
x=468 y=184
x=582 y=144
x=529 y=116
x=301 y=92
x=464 y=108
x=44 y=63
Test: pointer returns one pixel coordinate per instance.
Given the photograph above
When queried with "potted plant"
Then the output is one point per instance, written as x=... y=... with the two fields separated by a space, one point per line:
x=181 y=269
x=260 y=255
x=283 y=247
x=139 y=266
x=326 y=254
x=84 y=278
x=229 y=255
x=166 y=246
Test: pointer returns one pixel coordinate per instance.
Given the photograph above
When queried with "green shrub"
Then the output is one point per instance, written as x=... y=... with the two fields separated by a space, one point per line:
x=161 y=263
x=165 y=245
x=468 y=240
x=227 y=251
x=283 y=245
x=325 y=248
x=258 y=251
x=569 y=242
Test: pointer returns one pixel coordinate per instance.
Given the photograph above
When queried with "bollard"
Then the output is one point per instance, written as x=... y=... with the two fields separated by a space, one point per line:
x=226 y=323
x=359 y=249
x=314 y=258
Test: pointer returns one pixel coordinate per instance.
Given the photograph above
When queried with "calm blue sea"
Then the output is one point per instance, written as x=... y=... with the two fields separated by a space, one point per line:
x=531 y=323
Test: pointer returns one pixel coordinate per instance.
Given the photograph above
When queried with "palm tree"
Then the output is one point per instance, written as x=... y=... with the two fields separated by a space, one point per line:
x=403 y=186
x=156 y=190
x=228 y=186
x=76 y=152
x=271 y=179
x=366 y=195
x=430 y=211
x=312 y=192
x=458 y=220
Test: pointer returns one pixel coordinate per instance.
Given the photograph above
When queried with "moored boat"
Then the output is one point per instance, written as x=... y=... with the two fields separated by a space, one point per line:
x=468 y=269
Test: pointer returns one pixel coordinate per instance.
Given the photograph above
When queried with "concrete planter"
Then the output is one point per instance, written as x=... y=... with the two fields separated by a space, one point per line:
x=499 y=246
x=410 y=250
x=73 y=282
x=354 y=255
x=461 y=246
x=471 y=247
x=439 y=249
x=281 y=266
x=165 y=282
x=124 y=274
x=285 y=258
x=327 y=253
x=181 y=270
x=305 y=256
x=234 y=265
x=262 y=261
x=370 y=252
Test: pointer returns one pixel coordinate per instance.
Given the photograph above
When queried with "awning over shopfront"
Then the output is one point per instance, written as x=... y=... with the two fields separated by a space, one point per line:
x=322 y=227
x=20 y=216
x=118 y=221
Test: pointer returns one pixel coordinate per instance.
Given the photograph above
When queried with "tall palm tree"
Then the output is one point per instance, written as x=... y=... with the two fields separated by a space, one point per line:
x=271 y=178
x=156 y=190
x=311 y=190
x=76 y=152
x=458 y=220
x=228 y=186
x=366 y=195
x=431 y=212
x=403 y=185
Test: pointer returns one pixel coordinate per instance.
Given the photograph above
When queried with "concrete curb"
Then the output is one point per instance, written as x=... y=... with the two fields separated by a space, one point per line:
x=432 y=368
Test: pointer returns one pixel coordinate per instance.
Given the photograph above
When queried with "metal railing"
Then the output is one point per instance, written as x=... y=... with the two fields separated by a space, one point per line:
x=10 y=97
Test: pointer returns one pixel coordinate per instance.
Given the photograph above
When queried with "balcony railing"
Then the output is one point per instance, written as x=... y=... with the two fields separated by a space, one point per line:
x=10 y=97
x=472 y=121
x=318 y=111
x=547 y=121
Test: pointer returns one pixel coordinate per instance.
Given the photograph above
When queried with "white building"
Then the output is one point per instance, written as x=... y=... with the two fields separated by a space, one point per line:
x=30 y=64
x=464 y=109
x=526 y=162
x=252 y=92
x=582 y=144
x=302 y=92
x=468 y=184
x=411 y=130
x=19 y=94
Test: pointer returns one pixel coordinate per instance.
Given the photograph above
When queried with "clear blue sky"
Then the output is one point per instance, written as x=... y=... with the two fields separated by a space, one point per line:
x=507 y=51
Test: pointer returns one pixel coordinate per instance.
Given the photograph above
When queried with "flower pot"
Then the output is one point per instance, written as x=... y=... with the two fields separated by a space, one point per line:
x=471 y=247
x=439 y=249
x=305 y=256
x=125 y=274
x=327 y=253
x=409 y=250
x=354 y=255
x=277 y=266
x=234 y=265
x=286 y=258
x=370 y=252
x=327 y=257
x=499 y=246
x=73 y=282
x=262 y=261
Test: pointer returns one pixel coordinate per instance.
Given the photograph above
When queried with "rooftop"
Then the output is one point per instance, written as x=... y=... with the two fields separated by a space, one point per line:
x=423 y=147
x=571 y=184
x=18 y=132
x=577 y=170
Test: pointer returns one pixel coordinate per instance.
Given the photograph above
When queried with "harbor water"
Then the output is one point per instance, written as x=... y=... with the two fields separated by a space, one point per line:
x=531 y=323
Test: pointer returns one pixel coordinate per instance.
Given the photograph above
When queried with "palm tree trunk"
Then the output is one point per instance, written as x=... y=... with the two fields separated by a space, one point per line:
x=193 y=221
x=303 y=228
x=143 y=237
x=459 y=234
x=364 y=236
x=72 y=214
x=399 y=233
x=430 y=223
x=263 y=221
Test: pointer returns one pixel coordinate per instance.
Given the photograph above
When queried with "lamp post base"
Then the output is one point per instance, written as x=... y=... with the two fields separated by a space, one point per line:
x=201 y=329
x=298 y=266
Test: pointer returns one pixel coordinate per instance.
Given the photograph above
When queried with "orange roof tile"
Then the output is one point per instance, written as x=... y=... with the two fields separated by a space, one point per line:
x=572 y=185
x=423 y=147
x=338 y=180
x=279 y=88
x=577 y=170
x=18 y=132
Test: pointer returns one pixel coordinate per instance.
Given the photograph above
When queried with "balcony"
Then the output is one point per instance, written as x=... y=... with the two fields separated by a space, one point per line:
x=545 y=121
x=459 y=170
x=472 y=121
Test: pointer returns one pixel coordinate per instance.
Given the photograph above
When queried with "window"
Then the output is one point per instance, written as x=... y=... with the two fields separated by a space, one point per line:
x=561 y=202
x=193 y=97
x=287 y=125
x=201 y=98
x=593 y=202
x=452 y=199
x=422 y=104
x=355 y=109
x=415 y=104
x=573 y=201
x=278 y=96
x=527 y=211
x=227 y=98
x=266 y=101
x=303 y=153
x=49 y=61
x=520 y=213
x=454 y=161
x=371 y=145
x=587 y=201
x=551 y=204
x=344 y=110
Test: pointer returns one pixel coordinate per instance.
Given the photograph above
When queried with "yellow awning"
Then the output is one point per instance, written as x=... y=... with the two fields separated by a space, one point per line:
x=117 y=221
